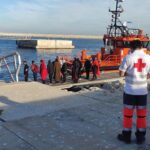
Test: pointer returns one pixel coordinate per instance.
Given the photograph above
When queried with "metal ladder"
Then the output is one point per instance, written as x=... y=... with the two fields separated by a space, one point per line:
x=12 y=63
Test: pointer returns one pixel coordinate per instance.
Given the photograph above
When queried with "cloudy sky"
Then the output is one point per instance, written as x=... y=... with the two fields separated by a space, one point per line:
x=88 y=17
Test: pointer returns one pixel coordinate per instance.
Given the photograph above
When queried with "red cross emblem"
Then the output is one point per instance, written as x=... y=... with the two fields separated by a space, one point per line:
x=139 y=65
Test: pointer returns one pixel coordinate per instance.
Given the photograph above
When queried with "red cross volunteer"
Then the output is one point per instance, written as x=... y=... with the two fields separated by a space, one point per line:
x=136 y=68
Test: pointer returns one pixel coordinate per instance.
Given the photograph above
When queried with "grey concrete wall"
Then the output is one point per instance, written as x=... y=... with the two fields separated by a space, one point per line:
x=26 y=43
x=46 y=44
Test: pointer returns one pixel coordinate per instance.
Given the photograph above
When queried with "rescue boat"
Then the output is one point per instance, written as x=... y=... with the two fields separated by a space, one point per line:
x=117 y=41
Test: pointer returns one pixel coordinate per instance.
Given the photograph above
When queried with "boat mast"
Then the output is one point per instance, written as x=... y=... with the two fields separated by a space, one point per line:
x=115 y=22
x=116 y=16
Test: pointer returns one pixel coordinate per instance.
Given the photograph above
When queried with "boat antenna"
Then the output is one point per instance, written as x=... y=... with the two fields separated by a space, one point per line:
x=115 y=21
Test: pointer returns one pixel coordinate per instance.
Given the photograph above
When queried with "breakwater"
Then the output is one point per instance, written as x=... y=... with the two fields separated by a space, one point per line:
x=31 y=35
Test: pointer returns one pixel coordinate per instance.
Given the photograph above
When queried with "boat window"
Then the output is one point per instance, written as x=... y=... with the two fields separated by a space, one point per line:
x=127 y=44
x=148 y=45
x=119 y=44
x=145 y=44
x=108 y=42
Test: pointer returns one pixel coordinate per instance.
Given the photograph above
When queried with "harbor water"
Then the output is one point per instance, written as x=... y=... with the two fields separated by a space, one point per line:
x=9 y=46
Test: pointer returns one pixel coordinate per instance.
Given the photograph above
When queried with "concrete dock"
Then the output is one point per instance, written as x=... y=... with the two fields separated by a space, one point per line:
x=45 y=44
x=44 y=117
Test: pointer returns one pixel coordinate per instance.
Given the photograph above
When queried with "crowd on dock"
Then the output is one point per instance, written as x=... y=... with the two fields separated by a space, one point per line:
x=58 y=70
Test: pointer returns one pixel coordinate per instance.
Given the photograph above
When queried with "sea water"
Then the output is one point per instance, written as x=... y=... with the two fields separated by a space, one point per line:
x=9 y=46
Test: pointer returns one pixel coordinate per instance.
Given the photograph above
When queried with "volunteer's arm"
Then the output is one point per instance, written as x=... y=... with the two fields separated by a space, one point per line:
x=148 y=76
x=123 y=68
x=121 y=73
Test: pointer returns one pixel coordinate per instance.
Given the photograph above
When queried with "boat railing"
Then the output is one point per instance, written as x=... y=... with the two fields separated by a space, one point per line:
x=129 y=31
x=11 y=64
x=112 y=58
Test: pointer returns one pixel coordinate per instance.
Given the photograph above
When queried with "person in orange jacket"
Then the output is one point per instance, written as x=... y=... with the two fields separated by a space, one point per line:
x=95 y=67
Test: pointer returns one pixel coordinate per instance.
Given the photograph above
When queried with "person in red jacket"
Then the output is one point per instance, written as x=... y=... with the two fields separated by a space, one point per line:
x=43 y=71
x=35 y=70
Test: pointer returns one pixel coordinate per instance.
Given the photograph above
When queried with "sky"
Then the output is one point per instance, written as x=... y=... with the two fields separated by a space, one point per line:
x=83 y=17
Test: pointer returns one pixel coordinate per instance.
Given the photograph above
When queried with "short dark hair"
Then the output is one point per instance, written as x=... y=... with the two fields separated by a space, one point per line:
x=135 y=44
x=32 y=61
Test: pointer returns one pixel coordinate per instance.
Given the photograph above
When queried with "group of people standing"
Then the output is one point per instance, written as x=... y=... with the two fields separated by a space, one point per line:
x=57 y=70
x=92 y=66
x=135 y=68
x=89 y=66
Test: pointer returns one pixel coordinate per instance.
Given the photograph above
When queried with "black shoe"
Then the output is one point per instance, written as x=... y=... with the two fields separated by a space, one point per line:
x=140 y=141
x=140 y=137
x=1 y=111
x=125 y=136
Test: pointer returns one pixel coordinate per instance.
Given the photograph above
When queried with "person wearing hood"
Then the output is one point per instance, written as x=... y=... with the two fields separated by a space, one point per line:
x=87 y=66
x=64 y=71
x=26 y=71
x=75 y=70
x=94 y=67
x=43 y=71
x=50 y=69
x=57 y=70
x=35 y=70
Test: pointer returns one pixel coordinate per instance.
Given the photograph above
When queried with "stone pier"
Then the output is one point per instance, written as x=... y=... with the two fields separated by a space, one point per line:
x=45 y=44
x=37 y=116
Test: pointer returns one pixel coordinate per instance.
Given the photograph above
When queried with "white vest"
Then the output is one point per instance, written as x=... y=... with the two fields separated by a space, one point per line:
x=137 y=66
